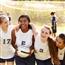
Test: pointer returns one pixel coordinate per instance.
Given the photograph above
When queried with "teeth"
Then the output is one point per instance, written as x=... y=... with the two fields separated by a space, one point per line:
x=23 y=25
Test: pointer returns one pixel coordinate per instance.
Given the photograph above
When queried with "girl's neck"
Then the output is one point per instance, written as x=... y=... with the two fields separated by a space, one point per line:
x=24 y=30
x=43 y=40
x=62 y=47
x=5 y=29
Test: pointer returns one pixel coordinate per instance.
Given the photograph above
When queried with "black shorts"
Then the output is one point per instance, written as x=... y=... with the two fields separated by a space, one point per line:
x=44 y=62
x=9 y=60
x=25 y=61
x=54 y=28
x=62 y=62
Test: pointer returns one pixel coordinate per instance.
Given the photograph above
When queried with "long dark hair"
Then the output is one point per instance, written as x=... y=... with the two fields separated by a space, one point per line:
x=62 y=36
x=53 y=51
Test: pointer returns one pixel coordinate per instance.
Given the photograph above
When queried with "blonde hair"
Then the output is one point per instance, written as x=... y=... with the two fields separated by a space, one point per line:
x=3 y=17
x=47 y=27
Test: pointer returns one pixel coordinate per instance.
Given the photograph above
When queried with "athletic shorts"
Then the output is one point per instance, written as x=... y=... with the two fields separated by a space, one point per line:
x=54 y=29
x=9 y=60
x=44 y=62
x=25 y=61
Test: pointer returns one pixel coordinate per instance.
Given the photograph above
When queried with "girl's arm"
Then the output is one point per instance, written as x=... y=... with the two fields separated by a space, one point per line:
x=34 y=29
x=13 y=41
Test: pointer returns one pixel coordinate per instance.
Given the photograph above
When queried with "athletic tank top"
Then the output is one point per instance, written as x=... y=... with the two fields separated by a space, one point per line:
x=61 y=53
x=6 y=49
x=24 y=40
x=42 y=49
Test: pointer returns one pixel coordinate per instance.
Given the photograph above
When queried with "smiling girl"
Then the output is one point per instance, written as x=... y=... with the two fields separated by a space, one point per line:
x=45 y=48
x=60 y=43
x=6 y=49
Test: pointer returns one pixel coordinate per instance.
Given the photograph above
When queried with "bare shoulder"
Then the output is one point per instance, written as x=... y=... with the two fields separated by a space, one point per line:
x=16 y=28
x=13 y=32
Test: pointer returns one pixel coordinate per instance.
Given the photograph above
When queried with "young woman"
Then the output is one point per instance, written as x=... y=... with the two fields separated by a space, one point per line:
x=23 y=42
x=60 y=43
x=45 y=49
x=6 y=49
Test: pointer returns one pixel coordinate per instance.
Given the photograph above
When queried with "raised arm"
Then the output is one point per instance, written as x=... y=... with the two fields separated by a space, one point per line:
x=34 y=29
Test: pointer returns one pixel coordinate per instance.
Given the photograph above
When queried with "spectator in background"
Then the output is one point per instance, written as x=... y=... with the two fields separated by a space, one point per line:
x=53 y=21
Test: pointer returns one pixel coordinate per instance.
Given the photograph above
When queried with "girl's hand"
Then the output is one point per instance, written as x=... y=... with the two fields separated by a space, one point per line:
x=31 y=52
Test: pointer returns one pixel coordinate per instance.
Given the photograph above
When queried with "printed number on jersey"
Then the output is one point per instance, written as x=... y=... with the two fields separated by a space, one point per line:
x=6 y=41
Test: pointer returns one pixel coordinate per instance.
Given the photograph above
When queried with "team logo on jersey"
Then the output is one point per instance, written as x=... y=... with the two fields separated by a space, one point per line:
x=41 y=50
x=23 y=42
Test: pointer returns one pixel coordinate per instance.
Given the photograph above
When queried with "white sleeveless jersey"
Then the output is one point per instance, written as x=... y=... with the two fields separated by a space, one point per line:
x=24 y=40
x=61 y=53
x=42 y=50
x=6 y=49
